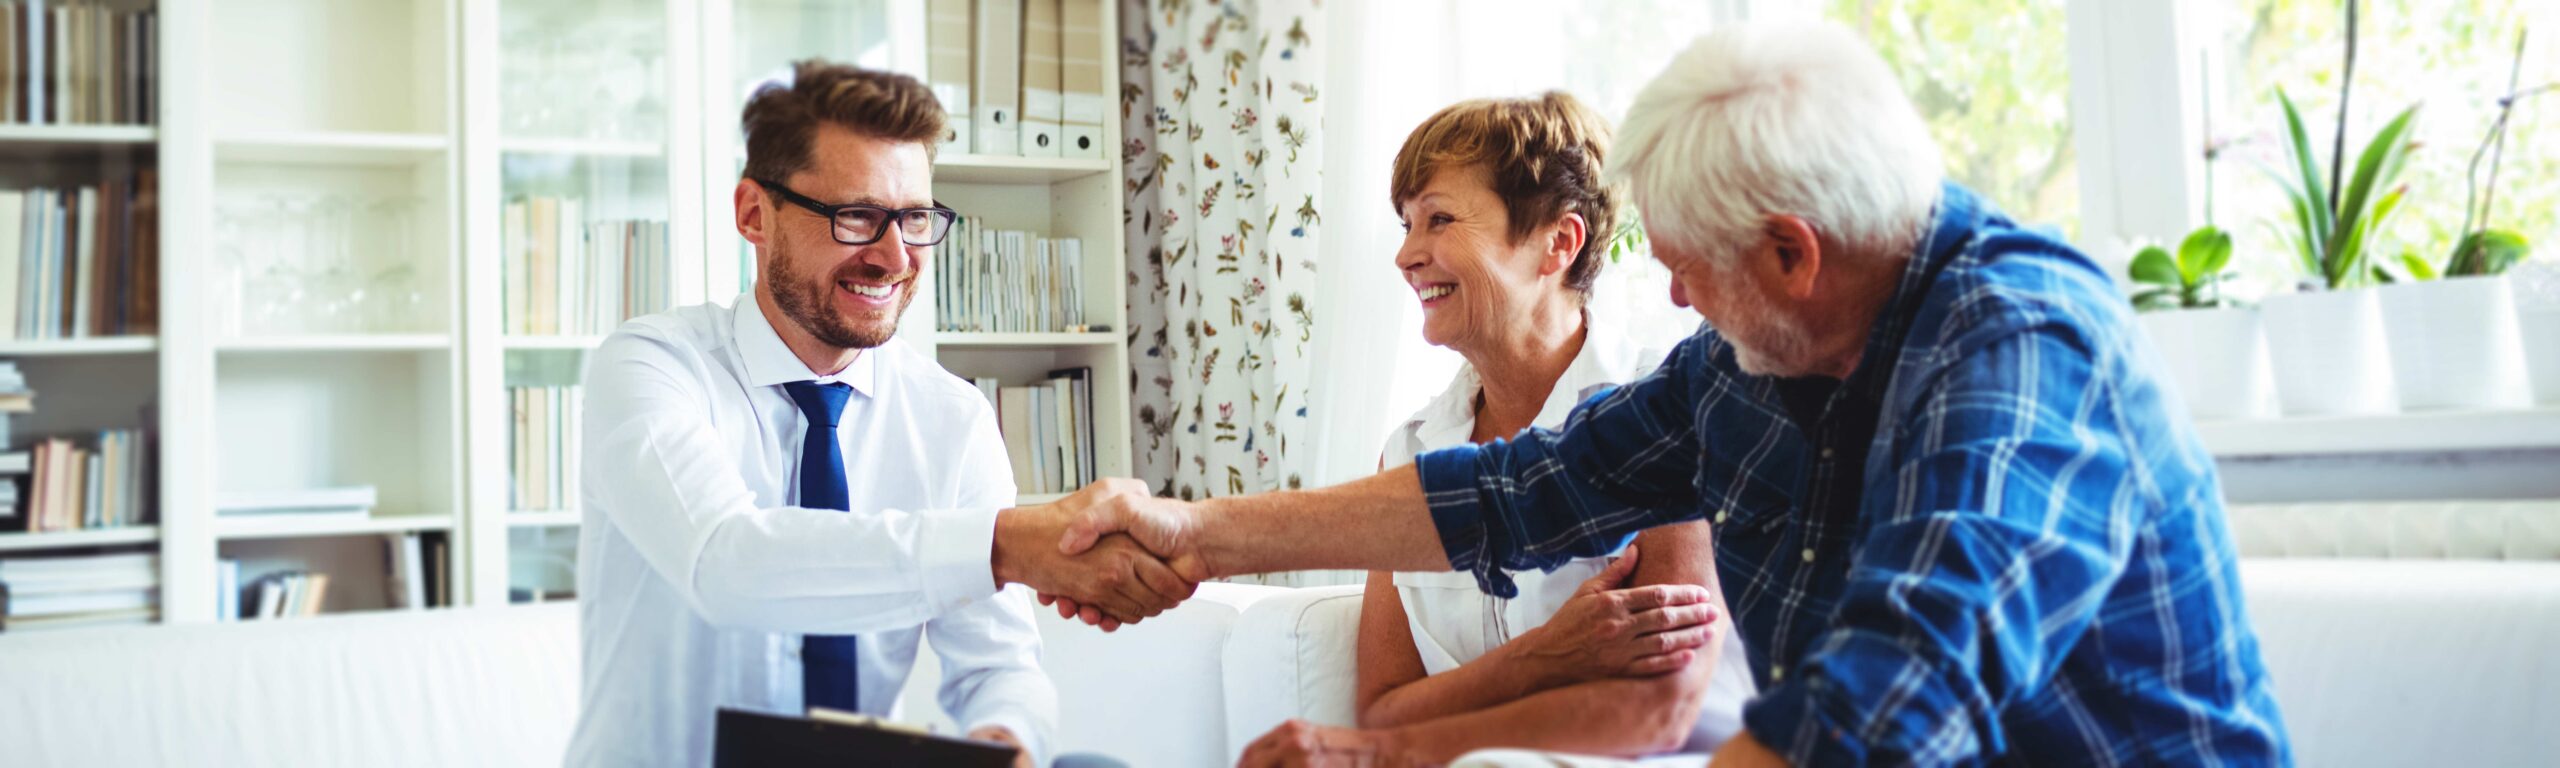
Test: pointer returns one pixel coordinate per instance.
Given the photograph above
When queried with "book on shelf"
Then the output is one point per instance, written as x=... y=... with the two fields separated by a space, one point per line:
x=543 y=447
x=406 y=553
x=1041 y=109
x=997 y=68
x=71 y=487
x=1083 y=106
x=285 y=594
x=78 y=62
x=80 y=262
x=569 y=276
x=57 y=592
x=947 y=69
x=999 y=281
x=1048 y=430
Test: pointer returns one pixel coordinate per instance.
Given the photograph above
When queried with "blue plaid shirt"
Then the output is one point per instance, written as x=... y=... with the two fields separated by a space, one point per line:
x=1995 y=542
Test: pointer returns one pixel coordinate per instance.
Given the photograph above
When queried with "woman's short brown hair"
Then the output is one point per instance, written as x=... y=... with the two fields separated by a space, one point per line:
x=780 y=118
x=1544 y=155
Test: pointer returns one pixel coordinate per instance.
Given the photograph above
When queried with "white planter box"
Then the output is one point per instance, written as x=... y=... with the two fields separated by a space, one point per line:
x=2329 y=354
x=2454 y=344
x=2215 y=360
x=2541 y=336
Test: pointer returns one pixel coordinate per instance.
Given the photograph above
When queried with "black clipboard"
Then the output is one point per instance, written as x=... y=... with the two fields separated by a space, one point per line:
x=757 y=740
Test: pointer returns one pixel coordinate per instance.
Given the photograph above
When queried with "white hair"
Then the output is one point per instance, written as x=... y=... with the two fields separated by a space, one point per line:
x=1784 y=117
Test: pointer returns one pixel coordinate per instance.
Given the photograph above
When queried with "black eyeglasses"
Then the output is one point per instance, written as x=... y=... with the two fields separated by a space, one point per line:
x=863 y=224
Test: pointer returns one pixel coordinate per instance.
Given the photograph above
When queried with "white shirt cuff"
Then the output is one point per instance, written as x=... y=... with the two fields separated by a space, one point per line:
x=958 y=556
x=1022 y=732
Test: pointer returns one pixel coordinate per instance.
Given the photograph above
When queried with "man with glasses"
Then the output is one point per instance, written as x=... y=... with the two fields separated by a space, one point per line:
x=783 y=499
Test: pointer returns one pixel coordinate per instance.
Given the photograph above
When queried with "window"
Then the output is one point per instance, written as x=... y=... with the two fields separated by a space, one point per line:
x=2451 y=57
x=1991 y=78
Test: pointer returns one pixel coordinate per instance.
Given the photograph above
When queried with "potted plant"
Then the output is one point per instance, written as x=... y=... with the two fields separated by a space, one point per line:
x=2326 y=340
x=2211 y=347
x=2454 y=335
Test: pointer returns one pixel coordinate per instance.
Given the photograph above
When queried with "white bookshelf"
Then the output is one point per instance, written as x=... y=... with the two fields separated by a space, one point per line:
x=403 y=105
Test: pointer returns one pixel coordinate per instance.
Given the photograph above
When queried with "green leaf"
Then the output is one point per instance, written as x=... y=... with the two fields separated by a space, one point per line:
x=2205 y=252
x=2312 y=193
x=2153 y=266
x=2358 y=211
x=2418 y=268
x=2488 y=252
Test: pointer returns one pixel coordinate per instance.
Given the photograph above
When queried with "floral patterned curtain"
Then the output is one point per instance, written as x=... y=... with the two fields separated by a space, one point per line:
x=1219 y=106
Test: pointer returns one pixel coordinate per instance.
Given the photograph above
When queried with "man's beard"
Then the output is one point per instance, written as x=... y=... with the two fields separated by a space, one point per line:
x=812 y=305
x=1776 y=344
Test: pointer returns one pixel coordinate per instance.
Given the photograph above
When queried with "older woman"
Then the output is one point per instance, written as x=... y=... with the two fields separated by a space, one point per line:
x=1506 y=228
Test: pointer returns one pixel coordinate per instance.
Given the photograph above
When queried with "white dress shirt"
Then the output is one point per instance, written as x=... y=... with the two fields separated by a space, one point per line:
x=697 y=576
x=1454 y=622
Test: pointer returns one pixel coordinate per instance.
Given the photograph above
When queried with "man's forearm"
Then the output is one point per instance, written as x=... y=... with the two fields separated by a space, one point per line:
x=1624 y=717
x=1376 y=523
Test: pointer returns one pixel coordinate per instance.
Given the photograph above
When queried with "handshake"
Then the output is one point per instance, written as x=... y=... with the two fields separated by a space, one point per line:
x=1109 y=554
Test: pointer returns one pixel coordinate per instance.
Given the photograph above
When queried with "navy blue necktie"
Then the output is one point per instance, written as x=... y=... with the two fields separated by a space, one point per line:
x=828 y=675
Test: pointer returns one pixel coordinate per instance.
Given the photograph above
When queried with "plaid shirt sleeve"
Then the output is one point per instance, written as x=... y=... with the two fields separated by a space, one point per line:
x=2012 y=509
x=1626 y=460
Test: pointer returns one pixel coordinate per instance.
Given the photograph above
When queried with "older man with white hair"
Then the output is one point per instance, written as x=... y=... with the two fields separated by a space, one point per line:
x=1958 y=514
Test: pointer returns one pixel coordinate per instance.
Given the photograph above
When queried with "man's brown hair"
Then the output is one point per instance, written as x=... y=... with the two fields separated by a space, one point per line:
x=1544 y=155
x=780 y=118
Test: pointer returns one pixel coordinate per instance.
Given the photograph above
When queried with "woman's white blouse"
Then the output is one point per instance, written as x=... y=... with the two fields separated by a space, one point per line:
x=1452 y=621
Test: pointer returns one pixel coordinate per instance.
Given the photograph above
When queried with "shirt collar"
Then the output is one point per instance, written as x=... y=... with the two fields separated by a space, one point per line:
x=1953 y=224
x=1608 y=356
x=770 y=363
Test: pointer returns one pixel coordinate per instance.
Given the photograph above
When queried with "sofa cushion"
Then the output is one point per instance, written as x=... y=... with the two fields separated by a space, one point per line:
x=479 y=687
x=1291 y=656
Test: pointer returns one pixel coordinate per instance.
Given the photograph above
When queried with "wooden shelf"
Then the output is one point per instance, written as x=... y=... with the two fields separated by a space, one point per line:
x=542 y=518
x=241 y=529
x=1000 y=169
x=552 y=342
x=59 y=141
x=332 y=148
x=2422 y=432
x=31 y=542
x=583 y=148
x=352 y=342
x=1025 y=340
x=105 y=345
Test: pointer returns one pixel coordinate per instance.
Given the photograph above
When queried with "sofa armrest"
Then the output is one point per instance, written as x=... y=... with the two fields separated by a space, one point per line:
x=1291 y=655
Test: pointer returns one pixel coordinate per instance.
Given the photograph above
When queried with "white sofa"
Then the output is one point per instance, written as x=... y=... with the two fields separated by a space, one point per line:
x=2375 y=663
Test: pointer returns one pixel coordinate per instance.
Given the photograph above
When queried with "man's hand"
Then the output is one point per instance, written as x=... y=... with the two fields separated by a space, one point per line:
x=1298 y=743
x=1000 y=735
x=1116 y=578
x=1610 y=630
x=1745 y=751
x=1115 y=509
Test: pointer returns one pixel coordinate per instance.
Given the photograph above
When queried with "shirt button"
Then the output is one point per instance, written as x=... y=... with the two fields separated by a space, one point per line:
x=1808 y=554
x=1826 y=453
x=1721 y=514
x=1777 y=672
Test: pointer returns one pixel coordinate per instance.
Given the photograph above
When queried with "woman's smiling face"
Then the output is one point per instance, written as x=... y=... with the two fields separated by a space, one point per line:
x=1474 y=280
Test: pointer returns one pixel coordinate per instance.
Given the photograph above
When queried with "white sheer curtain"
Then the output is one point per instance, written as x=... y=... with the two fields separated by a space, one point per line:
x=1390 y=65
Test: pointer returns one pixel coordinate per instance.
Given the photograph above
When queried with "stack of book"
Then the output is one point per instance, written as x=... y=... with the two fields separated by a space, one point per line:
x=71 y=487
x=543 y=447
x=1048 y=430
x=80 y=262
x=1019 y=77
x=65 y=61
x=415 y=580
x=993 y=281
x=79 y=591
x=298 y=506
x=564 y=278
x=289 y=594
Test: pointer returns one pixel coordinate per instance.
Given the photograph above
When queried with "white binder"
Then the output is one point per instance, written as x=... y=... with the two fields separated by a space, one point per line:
x=947 y=69
x=1081 y=42
x=998 y=120
x=1041 y=110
